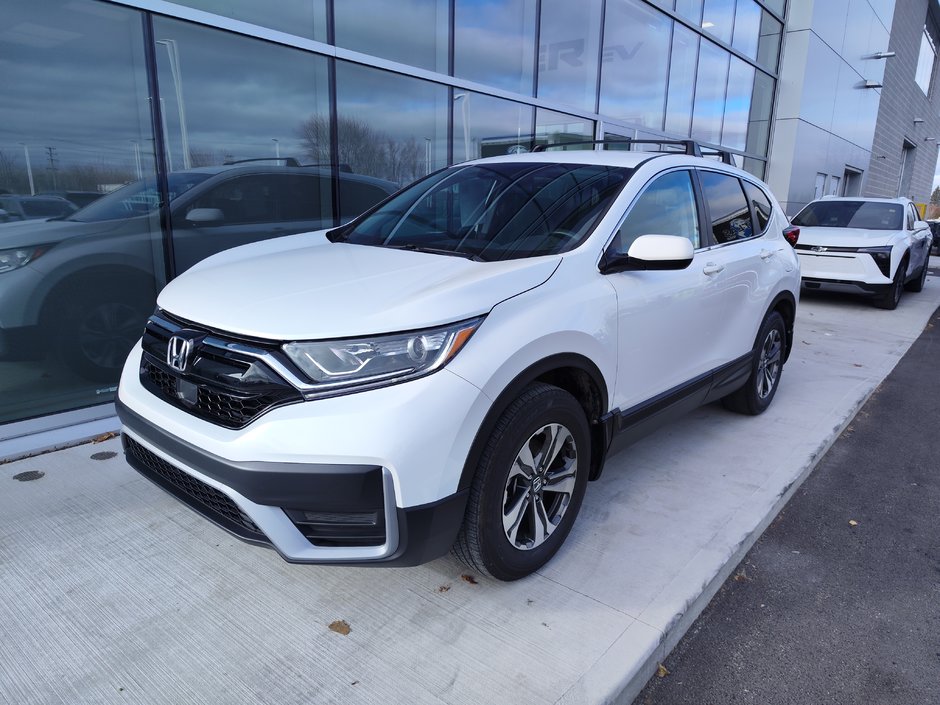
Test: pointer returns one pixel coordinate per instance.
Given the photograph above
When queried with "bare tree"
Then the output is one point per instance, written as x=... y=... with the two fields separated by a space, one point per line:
x=363 y=148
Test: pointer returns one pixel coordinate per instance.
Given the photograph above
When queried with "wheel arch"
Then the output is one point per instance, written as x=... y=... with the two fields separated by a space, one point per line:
x=785 y=304
x=96 y=278
x=574 y=373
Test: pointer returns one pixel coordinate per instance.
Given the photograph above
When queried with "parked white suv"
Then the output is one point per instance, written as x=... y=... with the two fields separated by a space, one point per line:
x=872 y=246
x=451 y=368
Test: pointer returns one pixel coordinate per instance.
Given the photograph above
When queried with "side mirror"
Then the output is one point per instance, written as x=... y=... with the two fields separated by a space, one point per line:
x=205 y=216
x=921 y=225
x=652 y=252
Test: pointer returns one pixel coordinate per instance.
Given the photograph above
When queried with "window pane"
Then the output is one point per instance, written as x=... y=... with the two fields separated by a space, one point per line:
x=568 y=52
x=747 y=28
x=758 y=128
x=558 y=128
x=485 y=126
x=681 y=80
x=635 y=62
x=305 y=18
x=710 y=92
x=74 y=121
x=391 y=127
x=851 y=214
x=412 y=32
x=265 y=111
x=768 y=49
x=667 y=207
x=494 y=43
x=737 y=104
x=925 y=62
x=731 y=219
x=690 y=9
x=760 y=203
x=718 y=19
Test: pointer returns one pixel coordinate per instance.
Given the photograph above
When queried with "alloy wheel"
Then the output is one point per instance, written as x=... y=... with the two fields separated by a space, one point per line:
x=768 y=367
x=540 y=486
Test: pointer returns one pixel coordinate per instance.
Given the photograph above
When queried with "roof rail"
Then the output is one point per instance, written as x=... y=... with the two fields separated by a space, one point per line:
x=690 y=147
x=288 y=161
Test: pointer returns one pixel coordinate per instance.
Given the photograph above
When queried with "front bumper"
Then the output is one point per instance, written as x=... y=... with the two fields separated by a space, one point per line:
x=309 y=513
x=843 y=269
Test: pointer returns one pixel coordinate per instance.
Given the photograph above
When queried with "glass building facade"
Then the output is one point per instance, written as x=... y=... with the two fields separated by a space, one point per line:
x=164 y=132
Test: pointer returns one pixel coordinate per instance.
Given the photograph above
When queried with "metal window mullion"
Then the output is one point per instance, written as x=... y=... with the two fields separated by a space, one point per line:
x=159 y=146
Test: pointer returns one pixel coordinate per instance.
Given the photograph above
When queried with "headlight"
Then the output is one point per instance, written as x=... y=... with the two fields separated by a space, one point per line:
x=381 y=359
x=882 y=257
x=19 y=257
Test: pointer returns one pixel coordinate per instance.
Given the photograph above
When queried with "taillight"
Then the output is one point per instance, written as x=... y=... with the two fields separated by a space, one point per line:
x=792 y=234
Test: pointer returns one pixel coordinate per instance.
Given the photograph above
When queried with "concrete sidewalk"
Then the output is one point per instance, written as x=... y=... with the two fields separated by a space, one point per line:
x=110 y=591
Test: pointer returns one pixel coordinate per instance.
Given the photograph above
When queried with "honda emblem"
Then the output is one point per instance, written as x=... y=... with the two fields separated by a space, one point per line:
x=178 y=351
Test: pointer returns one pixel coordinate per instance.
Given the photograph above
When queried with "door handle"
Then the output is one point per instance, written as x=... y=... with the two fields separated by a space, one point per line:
x=766 y=254
x=712 y=268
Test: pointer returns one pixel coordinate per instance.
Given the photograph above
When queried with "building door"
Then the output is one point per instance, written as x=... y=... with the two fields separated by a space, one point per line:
x=851 y=182
x=907 y=166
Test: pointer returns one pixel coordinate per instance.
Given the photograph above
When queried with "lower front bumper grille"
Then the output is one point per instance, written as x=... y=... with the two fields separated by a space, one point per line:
x=205 y=499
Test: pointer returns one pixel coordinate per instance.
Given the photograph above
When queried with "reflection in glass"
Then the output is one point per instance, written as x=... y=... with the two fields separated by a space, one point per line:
x=635 y=63
x=758 y=128
x=768 y=49
x=485 y=126
x=690 y=9
x=747 y=22
x=391 y=127
x=711 y=82
x=239 y=134
x=494 y=43
x=412 y=32
x=74 y=120
x=681 y=80
x=718 y=19
x=568 y=51
x=737 y=104
x=558 y=128
x=305 y=18
x=755 y=166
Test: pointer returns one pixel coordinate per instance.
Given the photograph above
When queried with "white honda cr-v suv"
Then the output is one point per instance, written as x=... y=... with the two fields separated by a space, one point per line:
x=453 y=366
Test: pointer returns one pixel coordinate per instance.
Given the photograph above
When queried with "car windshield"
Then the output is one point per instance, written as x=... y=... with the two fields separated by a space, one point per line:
x=138 y=198
x=851 y=214
x=493 y=211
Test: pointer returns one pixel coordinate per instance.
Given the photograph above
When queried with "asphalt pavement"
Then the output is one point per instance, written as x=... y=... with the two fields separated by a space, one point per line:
x=839 y=601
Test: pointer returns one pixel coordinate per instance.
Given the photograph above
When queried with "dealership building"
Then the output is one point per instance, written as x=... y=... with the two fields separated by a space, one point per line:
x=227 y=121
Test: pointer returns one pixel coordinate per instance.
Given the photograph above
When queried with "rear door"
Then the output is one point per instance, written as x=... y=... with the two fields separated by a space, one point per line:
x=741 y=265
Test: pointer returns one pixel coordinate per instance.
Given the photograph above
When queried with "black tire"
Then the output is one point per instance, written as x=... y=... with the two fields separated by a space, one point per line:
x=892 y=297
x=917 y=284
x=96 y=330
x=528 y=425
x=766 y=368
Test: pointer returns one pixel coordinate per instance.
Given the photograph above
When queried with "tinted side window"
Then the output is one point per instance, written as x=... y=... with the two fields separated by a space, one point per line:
x=761 y=205
x=666 y=207
x=912 y=217
x=731 y=219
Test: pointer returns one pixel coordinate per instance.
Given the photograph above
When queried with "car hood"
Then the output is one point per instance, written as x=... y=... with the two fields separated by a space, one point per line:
x=304 y=287
x=846 y=237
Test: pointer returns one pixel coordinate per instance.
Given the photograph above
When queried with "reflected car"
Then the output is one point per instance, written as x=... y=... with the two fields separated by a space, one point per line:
x=79 y=198
x=16 y=207
x=81 y=287
x=877 y=247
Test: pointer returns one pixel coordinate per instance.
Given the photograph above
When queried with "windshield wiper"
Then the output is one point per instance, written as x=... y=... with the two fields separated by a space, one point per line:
x=438 y=251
